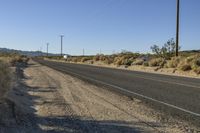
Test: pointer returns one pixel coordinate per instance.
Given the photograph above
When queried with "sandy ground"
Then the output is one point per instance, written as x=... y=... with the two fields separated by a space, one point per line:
x=44 y=100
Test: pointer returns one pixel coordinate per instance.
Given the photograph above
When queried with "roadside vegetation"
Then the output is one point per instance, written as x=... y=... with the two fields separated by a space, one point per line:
x=8 y=60
x=12 y=59
x=5 y=78
x=160 y=58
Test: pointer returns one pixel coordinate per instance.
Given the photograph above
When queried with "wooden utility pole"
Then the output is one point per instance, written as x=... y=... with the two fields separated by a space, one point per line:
x=83 y=52
x=177 y=26
x=61 y=37
x=47 y=49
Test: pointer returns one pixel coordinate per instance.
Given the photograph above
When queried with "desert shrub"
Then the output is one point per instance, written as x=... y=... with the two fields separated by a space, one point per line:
x=108 y=60
x=96 y=58
x=123 y=61
x=84 y=59
x=15 y=60
x=25 y=59
x=195 y=59
x=74 y=59
x=138 y=62
x=91 y=61
x=196 y=64
x=145 y=63
x=18 y=59
x=5 y=78
x=185 y=67
x=196 y=70
x=173 y=63
x=166 y=51
x=190 y=63
x=102 y=58
x=157 y=62
x=125 y=58
x=117 y=61
x=127 y=62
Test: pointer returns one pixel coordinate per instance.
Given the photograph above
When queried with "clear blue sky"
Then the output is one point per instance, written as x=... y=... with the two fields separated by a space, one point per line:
x=109 y=25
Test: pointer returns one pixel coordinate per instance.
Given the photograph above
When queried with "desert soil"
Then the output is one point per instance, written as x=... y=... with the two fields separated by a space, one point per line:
x=47 y=101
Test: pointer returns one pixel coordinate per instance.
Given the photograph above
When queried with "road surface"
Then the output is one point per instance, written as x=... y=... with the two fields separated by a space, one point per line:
x=176 y=95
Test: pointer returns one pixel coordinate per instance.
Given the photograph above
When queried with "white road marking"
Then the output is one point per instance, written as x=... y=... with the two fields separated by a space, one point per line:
x=137 y=94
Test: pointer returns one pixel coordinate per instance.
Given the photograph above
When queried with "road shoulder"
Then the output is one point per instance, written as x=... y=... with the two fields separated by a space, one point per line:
x=46 y=100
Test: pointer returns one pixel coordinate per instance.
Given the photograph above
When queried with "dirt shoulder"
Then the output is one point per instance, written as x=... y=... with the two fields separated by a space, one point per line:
x=44 y=100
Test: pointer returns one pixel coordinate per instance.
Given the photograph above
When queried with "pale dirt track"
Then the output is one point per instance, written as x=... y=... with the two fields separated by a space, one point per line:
x=48 y=101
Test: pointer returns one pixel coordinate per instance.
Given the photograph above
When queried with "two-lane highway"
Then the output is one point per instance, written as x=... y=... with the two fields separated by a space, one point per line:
x=179 y=93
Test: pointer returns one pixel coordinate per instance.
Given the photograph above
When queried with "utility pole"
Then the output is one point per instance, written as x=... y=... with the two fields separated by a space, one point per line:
x=177 y=26
x=83 y=52
x=40 y=51
x=47 y=49
x=61 y=37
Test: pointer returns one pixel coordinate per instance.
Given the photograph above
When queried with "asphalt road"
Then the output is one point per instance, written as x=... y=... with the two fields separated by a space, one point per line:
x=177 y=93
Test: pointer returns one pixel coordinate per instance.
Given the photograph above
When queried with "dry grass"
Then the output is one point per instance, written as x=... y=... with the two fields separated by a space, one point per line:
x=117 y=59
x=138 y=62
x=7 y=60
x=196 y=70
x=173 y=63
x=185 y=67
x=84 y=59
x=185 y=62
x=157 y=62
x=16 y=59
x=5 y=78
x=13 y=59
x=190 y=63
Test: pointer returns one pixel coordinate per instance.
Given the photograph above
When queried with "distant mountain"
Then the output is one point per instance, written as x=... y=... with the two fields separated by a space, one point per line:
x=191 y=51
x=27 y=53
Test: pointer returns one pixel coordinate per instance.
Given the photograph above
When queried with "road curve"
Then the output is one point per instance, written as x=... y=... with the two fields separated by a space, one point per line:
x=179 y=93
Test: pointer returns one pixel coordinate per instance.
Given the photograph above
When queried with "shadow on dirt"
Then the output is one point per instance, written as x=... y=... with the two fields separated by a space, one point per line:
x=21 y=116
